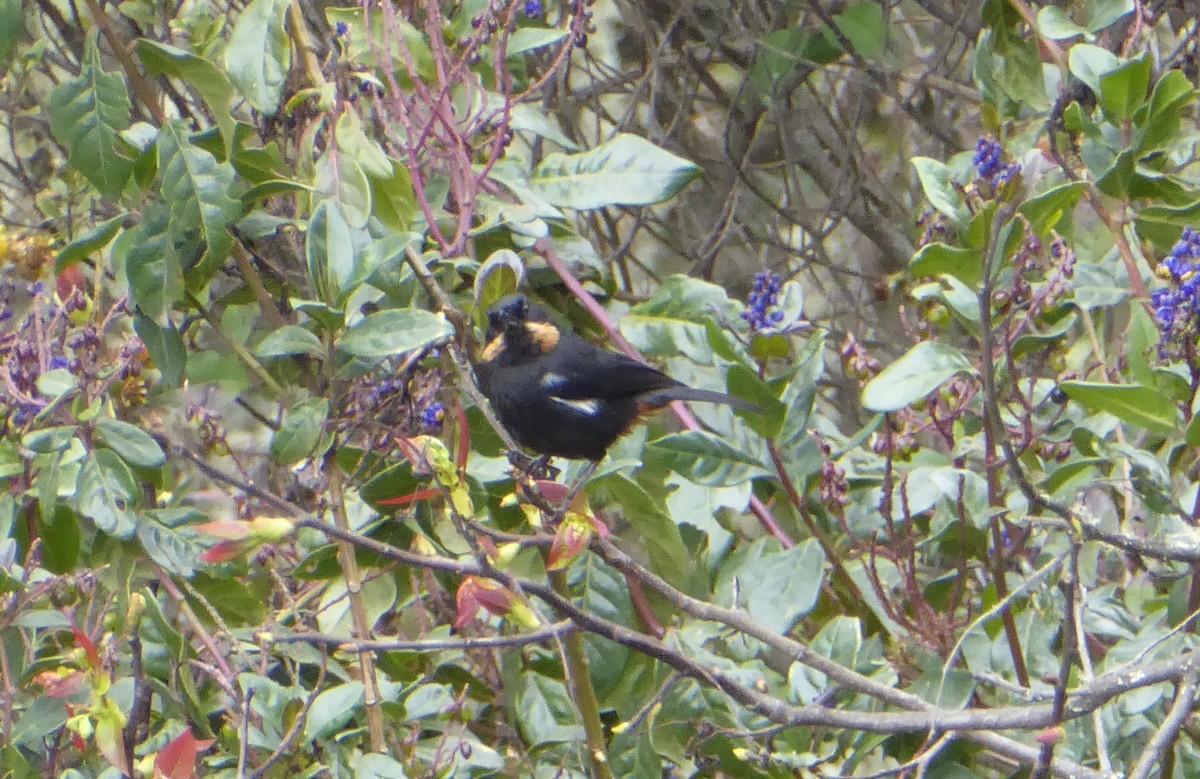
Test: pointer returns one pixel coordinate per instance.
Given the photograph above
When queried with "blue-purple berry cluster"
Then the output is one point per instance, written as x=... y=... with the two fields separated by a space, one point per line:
x=433 y=416
x=1176 y=305
x=533 y=8
x=990 y=165
x=762 y=312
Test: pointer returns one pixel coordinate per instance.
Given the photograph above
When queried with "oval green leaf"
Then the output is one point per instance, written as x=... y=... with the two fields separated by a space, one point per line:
x=134 y=445
x=394 y=332
x=625 y=171
x=1140 y=406
x=923 y=369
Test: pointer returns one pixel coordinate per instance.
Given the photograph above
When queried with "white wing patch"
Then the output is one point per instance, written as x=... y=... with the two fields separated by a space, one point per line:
x=589 y=406
x=551 y=380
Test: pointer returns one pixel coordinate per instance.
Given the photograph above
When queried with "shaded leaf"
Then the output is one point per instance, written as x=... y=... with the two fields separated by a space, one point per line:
x=329 y=249
x=300 y=430
x=197 y=188
x=289 y=340
x=106 y=492
x=94 y=239
x=165 y=346
x=135 y=445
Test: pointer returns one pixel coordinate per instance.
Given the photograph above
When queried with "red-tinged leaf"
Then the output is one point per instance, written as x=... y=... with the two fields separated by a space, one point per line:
x=475 y=593
x=227 y=529
x=88 y=646
x=223 y=552
x=59 y=686
x=412 y=497
x=488 y=546
x=1051 y=736
x=571 y=538
x=177 y=760
x=70 y=279
x=552 y=491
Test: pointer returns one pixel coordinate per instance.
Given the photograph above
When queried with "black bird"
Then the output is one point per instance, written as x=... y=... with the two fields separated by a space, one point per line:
x=560 y=395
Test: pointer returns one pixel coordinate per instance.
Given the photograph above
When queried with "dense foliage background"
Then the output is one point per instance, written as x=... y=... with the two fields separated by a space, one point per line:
x=255 y=519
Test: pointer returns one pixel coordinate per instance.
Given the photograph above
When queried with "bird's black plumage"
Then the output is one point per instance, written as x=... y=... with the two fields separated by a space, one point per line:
x=562 y=396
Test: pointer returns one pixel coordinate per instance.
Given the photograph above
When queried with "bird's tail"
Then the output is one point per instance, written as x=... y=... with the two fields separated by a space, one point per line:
x=662 y=397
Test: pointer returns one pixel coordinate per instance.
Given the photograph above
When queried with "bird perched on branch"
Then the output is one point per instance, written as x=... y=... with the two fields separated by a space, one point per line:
x=561 y=396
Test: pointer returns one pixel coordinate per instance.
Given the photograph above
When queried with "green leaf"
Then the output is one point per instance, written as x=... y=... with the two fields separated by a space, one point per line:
x=934 y=176
x=287 y=341
x=49 y=439
x=61 y=540
x=329 y=249
x=88 y=114
x=12 y=27
x=366 y=152
x=921 y=370
x=106 y=493
x=1044 y=211
x=93 y=240
x=1090 y=63
x=1140 y=406
x=209 y=81
x=1054 y=23
x=333 y=613
x=532 y=38
x=501 y=274
x=333 y=709
x=394 y=332
x=547 y=713
x=865 y=27
x=1123 y=90
x=1099 y=285
x=347 y=185
x=394 y=200
x=361 y=44
x=746 y=384
x=167 y=539
x=706 y=459
x=627 y=171
x=605 y=593
x=935 y=259
x=1172 y=94
x=239 y=603
x=165 y=346
x=197 y=188
x=376 y=766
x=258 y=56
x=1105 y=13
x=300 y=430
x=152 y=265
x=675 y=320
x=777 y=587
x=658 y=533
x=56 y=383
x=530 y=118
x=133 y=444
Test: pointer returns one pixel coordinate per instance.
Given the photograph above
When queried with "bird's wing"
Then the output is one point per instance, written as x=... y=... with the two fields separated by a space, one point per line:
x=596 y=373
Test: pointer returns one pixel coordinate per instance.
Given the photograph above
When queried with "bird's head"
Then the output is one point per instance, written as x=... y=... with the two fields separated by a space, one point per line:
x=518 y=330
